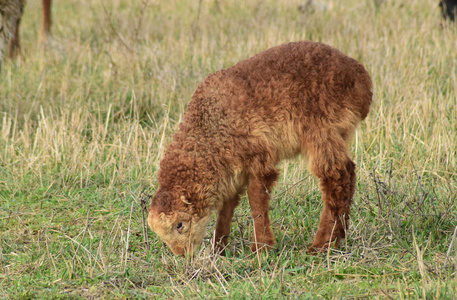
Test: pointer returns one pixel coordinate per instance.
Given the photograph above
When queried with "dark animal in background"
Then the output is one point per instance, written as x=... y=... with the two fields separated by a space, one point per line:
x=448 y=9
x=11 y=13
x=298 y=98
x=311 y=6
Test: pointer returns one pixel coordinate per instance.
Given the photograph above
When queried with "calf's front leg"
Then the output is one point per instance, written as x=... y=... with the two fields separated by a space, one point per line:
x=224 y=220
x=259 y=200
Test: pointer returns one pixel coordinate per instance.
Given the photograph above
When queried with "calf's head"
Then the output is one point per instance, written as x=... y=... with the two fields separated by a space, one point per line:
x=176 y=221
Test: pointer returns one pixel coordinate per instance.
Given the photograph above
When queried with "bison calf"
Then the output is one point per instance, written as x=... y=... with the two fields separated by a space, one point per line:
x=298 y=98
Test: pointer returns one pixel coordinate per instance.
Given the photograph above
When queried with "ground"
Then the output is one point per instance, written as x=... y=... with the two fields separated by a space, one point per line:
x=84 y=123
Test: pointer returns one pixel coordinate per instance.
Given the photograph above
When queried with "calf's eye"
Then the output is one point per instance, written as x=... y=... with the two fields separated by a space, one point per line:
x=179 y=227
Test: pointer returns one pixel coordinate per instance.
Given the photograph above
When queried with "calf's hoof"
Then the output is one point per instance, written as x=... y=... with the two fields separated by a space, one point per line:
x=315 y=249
x=219 y=249
x=262 y=247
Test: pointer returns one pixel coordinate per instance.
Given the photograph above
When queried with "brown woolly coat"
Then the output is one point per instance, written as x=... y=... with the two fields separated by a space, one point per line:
x=297 y=98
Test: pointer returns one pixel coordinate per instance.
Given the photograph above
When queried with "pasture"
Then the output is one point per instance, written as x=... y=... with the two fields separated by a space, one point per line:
x=85 y=120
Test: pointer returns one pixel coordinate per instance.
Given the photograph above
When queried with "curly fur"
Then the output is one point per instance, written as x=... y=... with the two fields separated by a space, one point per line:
x=10 y=17
x=298 y=98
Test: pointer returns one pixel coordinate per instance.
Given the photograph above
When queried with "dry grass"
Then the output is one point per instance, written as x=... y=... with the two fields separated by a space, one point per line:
x=85 y=121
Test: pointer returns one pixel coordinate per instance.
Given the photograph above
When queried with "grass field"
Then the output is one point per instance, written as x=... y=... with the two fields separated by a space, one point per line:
x=85 y=120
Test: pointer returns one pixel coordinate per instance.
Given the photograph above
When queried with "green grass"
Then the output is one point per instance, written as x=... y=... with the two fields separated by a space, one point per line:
x=85 y=120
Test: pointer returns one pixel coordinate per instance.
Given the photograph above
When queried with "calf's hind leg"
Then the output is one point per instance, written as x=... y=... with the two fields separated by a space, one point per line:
x=224 y=219
x=330 y=162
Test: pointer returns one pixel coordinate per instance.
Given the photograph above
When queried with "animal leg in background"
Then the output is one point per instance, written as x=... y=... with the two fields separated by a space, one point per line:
x=15 y=43
x=330 y=162
x=223 y=223
x=259 y=200
x=13 y=19
x=45 y=32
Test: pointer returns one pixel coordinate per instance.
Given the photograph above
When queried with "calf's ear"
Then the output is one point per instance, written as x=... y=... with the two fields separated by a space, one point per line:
x=183 y=199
